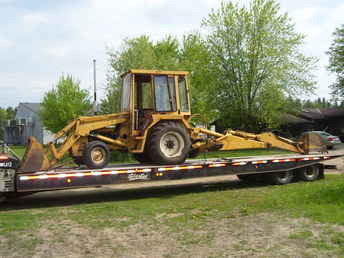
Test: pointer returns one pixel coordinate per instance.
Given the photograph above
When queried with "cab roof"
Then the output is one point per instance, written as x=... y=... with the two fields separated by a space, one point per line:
x=159 y=72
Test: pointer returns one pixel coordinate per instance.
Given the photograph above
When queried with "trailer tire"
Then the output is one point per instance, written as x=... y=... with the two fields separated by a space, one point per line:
x=96 y=155
x=309 y=174
x=142 y=158
x=169 y=143
x=280 y=178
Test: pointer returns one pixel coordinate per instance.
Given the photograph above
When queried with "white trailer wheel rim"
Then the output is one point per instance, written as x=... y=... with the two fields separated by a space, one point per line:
x=311 y=172
x=172 y=144
x=284 y=176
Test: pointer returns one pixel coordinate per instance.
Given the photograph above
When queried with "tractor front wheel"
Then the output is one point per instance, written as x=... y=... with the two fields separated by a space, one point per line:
x=96 y=155
x=169 y=143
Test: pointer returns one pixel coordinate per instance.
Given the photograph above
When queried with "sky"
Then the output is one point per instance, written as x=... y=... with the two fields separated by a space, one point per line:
x=41 y=40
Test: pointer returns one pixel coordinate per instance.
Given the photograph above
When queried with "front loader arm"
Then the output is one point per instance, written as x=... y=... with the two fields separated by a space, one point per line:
x=36 y=158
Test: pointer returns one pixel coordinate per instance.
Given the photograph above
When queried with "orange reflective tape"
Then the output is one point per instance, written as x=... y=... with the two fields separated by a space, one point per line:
x=239 y=163
x=217 y=165
x=283 y=160
x=260 y=162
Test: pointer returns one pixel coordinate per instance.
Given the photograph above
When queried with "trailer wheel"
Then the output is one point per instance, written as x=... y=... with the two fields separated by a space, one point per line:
x=310 y=173
x=169 y=143
x=280 y=178
x=142 y=157
x=96 y=154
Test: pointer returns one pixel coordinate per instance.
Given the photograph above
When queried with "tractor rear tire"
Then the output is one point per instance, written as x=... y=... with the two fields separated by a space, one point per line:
x=142 y=158
x=169 y=143
x=96 y=155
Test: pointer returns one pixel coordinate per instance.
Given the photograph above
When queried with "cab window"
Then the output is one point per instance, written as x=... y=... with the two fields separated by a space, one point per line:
x=125 y=102
x=163 y=96
x=147 y=102
x=184 y=105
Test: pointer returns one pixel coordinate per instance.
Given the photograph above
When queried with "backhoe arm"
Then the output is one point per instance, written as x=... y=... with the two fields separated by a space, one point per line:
x=236 y=140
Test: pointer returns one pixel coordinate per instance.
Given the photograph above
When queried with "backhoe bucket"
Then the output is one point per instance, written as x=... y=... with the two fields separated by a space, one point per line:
x=34 y=158
x=312 y=142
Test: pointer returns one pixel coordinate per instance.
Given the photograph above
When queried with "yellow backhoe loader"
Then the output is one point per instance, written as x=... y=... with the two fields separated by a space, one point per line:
x=153 y=125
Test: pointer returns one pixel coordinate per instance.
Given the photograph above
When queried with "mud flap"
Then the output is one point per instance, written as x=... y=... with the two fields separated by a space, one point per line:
x=35 y=158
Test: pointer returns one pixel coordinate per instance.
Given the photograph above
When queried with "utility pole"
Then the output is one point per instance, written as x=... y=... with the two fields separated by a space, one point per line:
x=94 y=88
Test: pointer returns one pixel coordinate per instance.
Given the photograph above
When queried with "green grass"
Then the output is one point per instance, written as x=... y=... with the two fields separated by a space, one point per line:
x=320 y=201
x=19 y=150
x=184 y=210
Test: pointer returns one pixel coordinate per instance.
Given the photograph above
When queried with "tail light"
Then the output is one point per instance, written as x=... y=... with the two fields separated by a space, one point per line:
x=330 y=139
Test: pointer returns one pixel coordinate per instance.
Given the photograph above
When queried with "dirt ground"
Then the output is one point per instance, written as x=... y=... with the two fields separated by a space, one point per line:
x=263 y=235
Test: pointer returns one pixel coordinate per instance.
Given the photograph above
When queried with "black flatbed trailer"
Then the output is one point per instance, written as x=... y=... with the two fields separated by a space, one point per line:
x=278 y=169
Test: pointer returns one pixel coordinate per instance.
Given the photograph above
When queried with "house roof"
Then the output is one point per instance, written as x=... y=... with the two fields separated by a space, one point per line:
x=321 y=113
x=26 y=109
x=34 y=107
x=291 y=119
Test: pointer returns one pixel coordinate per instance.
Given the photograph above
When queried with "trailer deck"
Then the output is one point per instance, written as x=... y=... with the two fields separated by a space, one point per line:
x=305 y=167
x=81 y=177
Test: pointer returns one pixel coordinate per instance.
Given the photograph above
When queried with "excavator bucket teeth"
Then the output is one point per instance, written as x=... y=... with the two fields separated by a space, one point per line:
x=34 y=158
x=312 y=142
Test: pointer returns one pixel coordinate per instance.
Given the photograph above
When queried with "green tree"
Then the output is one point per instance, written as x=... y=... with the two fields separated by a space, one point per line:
x=136 y=53
x=195 y=57
x=10 y=113
x=5 y=114
x=336 y=63
x=63 y=103
x=255 y=53
x=3 y=118
x=190 y=54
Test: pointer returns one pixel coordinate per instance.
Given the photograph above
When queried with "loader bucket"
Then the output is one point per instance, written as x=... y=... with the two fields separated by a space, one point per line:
x=312 y=142
x=35 y=158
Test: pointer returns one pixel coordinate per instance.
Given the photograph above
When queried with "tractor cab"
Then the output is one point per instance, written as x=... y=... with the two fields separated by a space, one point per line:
x=147 y=92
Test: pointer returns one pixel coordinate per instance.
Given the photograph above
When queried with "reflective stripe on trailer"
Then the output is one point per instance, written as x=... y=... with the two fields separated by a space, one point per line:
x=180 y=168
x=310 y=158
x=282 y=160
x=239 y=163
x=260 y=162
x=217 y=165
x=87 y=173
